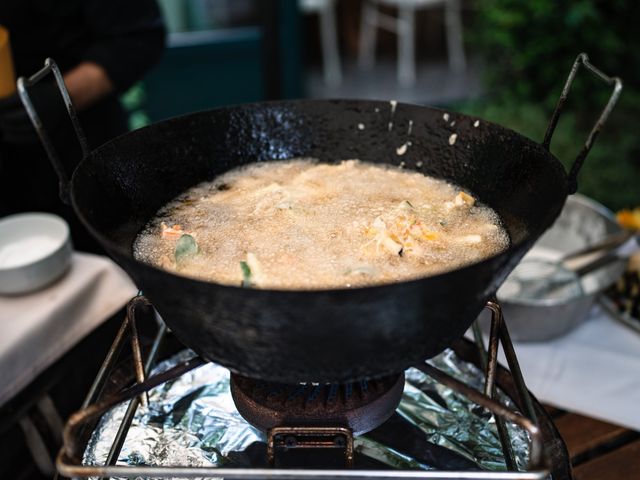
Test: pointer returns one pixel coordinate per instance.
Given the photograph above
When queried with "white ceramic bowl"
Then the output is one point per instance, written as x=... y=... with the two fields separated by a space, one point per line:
x=35 y=250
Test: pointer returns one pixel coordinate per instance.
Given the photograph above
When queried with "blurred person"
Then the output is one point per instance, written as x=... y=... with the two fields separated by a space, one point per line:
x=102 y=48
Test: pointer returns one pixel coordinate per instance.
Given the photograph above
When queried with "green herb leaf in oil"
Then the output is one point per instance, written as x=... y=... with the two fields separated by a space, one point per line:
x=246 y=274
x=186 y=247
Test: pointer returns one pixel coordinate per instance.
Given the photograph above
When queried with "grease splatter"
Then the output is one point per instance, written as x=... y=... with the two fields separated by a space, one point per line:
x=393 y=104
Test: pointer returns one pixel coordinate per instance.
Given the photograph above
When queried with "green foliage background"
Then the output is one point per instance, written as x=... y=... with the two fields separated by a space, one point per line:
x=529 y=46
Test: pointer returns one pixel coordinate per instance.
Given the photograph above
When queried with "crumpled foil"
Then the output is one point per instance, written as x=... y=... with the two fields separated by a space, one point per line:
x=192 y=421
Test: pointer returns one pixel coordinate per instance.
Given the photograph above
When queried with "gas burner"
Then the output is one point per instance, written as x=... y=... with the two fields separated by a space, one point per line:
x=360 y=406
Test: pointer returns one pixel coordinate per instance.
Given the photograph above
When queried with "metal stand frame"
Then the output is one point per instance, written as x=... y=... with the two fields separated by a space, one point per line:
x=69 y=461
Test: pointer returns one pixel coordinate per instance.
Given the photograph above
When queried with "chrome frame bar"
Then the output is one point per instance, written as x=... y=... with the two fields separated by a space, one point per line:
x=489 y=360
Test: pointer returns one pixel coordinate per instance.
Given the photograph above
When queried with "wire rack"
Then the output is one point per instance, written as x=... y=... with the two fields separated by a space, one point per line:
x=69 y=461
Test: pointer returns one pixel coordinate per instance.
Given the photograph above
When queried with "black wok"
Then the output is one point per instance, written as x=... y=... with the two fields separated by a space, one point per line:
x=328 y=335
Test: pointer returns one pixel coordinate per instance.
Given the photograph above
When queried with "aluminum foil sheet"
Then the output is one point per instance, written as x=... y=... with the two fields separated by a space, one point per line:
x=192 y=421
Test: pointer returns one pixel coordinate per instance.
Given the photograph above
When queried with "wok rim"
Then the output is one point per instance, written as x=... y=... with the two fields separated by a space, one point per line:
x=112 y=246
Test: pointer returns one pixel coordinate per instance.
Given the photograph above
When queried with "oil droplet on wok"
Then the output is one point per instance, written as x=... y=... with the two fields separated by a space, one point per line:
x=402 y=149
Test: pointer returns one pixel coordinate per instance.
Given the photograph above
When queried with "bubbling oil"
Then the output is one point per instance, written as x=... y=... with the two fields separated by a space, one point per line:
x=302 y=224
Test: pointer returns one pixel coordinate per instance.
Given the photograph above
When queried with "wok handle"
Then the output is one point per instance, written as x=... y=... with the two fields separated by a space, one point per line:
x=23 y=84
x=583 y=59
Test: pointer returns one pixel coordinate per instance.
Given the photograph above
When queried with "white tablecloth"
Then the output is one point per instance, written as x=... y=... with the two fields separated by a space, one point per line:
x=38 y=328
x=594 y=370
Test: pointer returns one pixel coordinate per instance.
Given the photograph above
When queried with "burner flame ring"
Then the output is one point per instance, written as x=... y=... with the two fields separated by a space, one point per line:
x=360 y=406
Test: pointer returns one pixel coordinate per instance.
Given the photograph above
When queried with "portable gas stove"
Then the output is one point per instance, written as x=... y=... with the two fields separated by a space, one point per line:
x=191 y=419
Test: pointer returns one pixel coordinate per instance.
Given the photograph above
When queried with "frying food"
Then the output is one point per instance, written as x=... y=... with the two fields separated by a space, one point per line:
x=301 y=224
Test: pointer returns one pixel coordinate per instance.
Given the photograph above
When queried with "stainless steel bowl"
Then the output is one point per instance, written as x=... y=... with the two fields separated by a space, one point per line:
x=582 y=222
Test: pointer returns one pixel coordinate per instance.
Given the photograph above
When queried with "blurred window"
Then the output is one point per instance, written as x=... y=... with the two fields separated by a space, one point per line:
x=195 y=15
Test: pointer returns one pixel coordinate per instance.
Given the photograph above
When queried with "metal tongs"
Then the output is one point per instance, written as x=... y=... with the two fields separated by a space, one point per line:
x=538 y=278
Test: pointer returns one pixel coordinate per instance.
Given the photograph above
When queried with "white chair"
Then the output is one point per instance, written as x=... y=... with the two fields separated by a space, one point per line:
x=404 y=27
x=329 y=38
